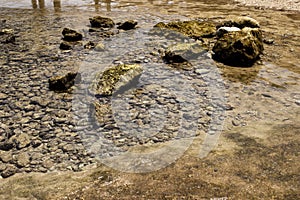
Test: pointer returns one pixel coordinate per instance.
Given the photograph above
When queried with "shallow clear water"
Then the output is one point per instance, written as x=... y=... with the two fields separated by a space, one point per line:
x=96 y=5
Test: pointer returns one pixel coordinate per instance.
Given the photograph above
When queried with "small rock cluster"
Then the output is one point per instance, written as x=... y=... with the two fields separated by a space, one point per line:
x=98 y=24
x=239 y=41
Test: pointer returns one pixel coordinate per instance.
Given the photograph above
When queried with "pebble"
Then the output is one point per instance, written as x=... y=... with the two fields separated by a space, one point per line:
x=22 y=159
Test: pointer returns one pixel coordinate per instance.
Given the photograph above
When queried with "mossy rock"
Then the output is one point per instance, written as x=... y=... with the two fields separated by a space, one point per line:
x=193 y=29
x=114 y=78
x=239 y=48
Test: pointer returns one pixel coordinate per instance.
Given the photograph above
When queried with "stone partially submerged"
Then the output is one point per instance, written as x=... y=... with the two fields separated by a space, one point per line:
x=239 y=48
x=130 y=24
x=63 y=83
x=101 y=22
x=112 y=79
x=193 y=29
x=71 y=35
x=183 y=52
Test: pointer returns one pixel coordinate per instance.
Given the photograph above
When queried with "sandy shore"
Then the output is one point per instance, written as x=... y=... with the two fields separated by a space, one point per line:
x=274 y=4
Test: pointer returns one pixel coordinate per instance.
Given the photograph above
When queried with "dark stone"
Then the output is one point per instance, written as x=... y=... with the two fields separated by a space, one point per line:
x=130 y=24
x=35 y=143
x=6 y=145
x=102 y=22
x=71 y=35
x=239 y=48
x=65 y=46
x=62 y=83
x=7 y=36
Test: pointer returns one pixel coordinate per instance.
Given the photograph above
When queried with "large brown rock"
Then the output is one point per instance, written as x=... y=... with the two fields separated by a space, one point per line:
x=239 y=48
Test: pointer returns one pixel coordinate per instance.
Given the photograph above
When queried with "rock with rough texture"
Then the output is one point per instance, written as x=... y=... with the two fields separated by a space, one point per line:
x=22 y=159
x=130 y=24
x=114 y=78
x=183 y=52
x=9 y=171
x=21 y=141
x=101 y=22
x=65 y=46
x=6 y=156
x=6 y=145
x=193 y=29
x=239 y=48
x=240 y=22
x=62 y=83
x=71 y=35
x=7 y=36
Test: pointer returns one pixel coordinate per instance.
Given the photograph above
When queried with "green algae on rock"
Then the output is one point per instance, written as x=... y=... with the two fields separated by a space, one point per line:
x=193 y=29
x=114 y=78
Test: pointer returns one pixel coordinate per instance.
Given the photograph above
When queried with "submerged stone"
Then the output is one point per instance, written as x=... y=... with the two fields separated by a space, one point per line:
x=62 y=83
x=193 y=29
x=183 y=52
x=71 y=35
x=101 y=22
x=114 y=78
